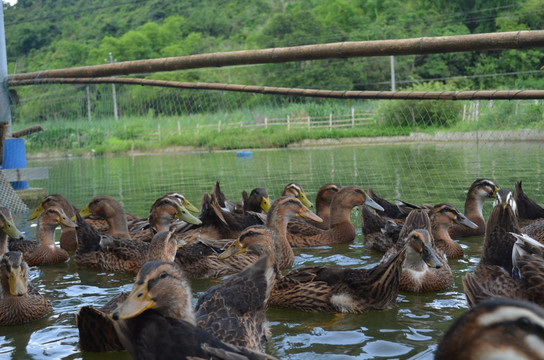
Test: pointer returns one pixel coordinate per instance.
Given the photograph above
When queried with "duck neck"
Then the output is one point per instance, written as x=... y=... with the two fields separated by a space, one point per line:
x=118 y=226
x=277 y=222
x=3 y=243
x=339 y=215
x=474 y=205
x=45 y=233
x=443 y=240
x=413 y=261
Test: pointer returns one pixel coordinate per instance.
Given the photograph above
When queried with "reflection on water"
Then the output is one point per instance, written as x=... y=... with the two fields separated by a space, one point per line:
x=417 y=173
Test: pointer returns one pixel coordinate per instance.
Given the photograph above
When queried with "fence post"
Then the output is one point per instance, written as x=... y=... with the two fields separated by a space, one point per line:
x=477 y=113
x=517 y=107
x=288 y=123
x=219 y=126
x=352 y=117
x=464 y=111
x=159 y=128
x=308 y=122
x=179 y=129
x=330 y=121
x=265 y=122
x=88 y=103
x=197 y=130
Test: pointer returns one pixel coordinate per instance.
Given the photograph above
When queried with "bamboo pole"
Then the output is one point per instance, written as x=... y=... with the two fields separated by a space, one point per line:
x=401 y=95
x=341 y=50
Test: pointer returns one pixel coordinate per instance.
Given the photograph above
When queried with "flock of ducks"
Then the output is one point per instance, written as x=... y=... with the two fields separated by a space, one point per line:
x=248 y=245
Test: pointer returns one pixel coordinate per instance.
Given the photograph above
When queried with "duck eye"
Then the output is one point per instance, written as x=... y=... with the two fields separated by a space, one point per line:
x=163 y=275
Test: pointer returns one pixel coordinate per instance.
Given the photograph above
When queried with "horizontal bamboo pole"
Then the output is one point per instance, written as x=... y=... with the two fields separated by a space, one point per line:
x=402 y=95
x=421 y=45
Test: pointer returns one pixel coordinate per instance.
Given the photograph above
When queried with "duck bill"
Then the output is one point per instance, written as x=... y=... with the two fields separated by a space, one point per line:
x=36 y=213
x=136 y=303
x=85 y=213
x=186 y=216
x=303 y=199
x=430 y=258
x=265 y=204
x=495 y=190
x=17 y=282
x=63 y=220
x=11 y=230
x=306 y=213
x=372 y=203
x=463 y=220
x=234 y=249
x=190 y=206
x=181 y=243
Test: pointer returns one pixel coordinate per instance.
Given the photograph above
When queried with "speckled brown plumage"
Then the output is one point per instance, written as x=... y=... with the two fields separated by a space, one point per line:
x=235 y=310
x=479 y=191
x=167 y=330
x=20 y=302
x=443 y=216
x=44 y=251
x=117 y=255
x=528 y=211
x=495 y=329
x=341 y=228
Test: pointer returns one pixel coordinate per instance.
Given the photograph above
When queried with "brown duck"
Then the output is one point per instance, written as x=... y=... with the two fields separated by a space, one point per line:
x=341 y=228
x=44 y=251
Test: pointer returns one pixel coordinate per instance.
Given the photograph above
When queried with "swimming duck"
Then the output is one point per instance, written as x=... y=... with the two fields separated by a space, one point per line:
x=493 y=274
x=199 y=259
x=479 y=191
x=157 y=320
x=44 y=251
x=442 y=217
x=235 y=310
x=107 y=209
x=295 y=190
x=323 y=202
x=68 y=237
x=20 y=302
x=495 y=329
x=341 y=229
x=257 y=201
x=424 y=269
x=345 y=290
x=119 y=255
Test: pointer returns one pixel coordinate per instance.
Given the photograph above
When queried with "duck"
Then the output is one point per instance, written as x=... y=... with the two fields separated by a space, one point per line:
x=68 y=238
x=20 y=303
x=119 y=255
x=323 y=201
x=495 y=329
x=480 y=190
x=493 y=274
x=44 y=251
x=425 y=269
x=528 y=211
x=258 y=201
x=200 y=259
x=341 y=228
x=107 y=209
x=235 y=310
x=296 y=190
x=157 y=320
x=341 y=290
x=443 y=216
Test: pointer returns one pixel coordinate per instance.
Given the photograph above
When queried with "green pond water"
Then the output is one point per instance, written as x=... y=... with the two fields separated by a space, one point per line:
x=416 y=173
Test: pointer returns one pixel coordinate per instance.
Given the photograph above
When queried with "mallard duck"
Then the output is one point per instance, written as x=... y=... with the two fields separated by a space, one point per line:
x=495 y=329
x=323 y=202
x=44 y=251
x=443 y=216
x=199 y=259
x=20 y=302
x=7 y=229
x=493 y=274
x=235 y=310
x=424 y=269
x=341 y=229
x=257 y=201
x=325 y=289
x=107 y=209
x=157 y=320
x=528 y=211
x=479 y=191
x=68 y=237
x=119 y=255
x=295 y=190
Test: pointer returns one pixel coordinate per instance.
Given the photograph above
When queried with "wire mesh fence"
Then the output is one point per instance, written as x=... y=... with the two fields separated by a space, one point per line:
x=79 y=116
